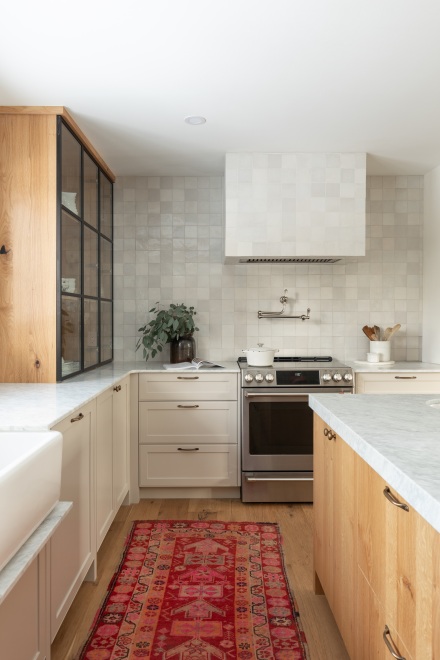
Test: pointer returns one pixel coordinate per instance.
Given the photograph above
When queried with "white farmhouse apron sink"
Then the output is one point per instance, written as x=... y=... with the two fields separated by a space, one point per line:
x=30 y=481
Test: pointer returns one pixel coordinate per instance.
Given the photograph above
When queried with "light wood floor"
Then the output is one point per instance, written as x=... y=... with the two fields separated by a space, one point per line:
x=296 y=522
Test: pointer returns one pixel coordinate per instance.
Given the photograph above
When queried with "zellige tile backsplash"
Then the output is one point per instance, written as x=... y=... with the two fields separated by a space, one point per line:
x=168 y=247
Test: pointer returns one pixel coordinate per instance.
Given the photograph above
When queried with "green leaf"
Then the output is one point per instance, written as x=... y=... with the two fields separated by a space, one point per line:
x=159 y=348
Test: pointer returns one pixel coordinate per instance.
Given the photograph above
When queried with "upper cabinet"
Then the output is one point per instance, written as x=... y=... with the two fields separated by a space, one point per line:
x=56 y=269
x=86 y=234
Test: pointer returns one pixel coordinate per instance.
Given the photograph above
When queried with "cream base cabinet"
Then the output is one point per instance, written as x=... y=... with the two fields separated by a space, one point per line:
x=73 y=545
x=197 y=465
x=112 y=447
x=104 y=465
x=23 y=616
x=202 y=422
x=398 y=383
x=121 y=444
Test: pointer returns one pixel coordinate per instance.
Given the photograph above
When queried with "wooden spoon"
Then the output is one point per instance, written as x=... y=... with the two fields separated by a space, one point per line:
x=369 y=332
x=391 y=331
x=377 y=332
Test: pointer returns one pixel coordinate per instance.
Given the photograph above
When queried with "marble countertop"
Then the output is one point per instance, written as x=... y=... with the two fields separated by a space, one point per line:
x=39 y=406
x=410 y=367
x=14 y=569
x=398 y=435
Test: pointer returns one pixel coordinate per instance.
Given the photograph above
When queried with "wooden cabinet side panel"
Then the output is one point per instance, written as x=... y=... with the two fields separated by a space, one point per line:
x=345 y=542
x=318 y=502
x=28 y=231
x=121 y=434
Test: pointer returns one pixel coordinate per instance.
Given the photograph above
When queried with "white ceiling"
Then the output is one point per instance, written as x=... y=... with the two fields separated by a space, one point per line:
x=268 y=75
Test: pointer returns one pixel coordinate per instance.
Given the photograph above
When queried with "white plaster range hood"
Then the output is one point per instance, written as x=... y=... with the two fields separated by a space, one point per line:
x=294 y=208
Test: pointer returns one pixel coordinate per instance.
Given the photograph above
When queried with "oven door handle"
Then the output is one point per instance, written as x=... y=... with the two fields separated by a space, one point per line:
x=250 y=395
x=279 y=478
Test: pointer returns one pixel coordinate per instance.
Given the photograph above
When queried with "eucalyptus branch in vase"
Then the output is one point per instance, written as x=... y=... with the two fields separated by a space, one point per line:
x=168 y=326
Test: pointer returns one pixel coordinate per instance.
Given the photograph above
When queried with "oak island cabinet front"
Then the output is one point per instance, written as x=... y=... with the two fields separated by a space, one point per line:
x=375 y=558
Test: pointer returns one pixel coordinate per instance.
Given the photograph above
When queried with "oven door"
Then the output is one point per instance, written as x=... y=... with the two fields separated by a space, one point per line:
x=277 y=429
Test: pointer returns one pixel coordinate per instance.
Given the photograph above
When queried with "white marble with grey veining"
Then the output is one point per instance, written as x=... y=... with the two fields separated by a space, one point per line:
x=409 y=367
x=39 y=406
x=19 y=563
x=398 y=435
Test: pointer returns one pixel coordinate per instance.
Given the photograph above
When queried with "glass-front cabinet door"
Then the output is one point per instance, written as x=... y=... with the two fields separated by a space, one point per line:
x=85 y=259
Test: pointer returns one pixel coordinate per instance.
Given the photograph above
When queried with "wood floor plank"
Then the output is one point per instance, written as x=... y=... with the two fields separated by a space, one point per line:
x=296 y=522
x=207 y=509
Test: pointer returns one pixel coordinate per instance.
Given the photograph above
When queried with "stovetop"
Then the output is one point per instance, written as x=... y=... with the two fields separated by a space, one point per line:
x=288 y=362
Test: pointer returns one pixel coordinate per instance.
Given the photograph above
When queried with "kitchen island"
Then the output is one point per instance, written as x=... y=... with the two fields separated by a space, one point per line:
x=377 y=521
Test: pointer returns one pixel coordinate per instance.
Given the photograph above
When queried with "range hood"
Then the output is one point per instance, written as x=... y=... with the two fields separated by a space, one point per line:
x=294 y=208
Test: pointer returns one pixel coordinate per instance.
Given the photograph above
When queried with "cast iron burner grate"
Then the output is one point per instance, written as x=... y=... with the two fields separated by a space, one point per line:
x=294 y=358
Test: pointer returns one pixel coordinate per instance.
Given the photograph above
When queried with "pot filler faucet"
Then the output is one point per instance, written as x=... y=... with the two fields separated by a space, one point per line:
x=281 y=315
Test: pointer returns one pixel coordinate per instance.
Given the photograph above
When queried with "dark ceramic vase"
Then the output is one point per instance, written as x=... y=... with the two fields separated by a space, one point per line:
x=183 y=349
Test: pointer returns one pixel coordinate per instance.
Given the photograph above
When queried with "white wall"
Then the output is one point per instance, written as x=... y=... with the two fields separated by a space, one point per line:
x=431 y=269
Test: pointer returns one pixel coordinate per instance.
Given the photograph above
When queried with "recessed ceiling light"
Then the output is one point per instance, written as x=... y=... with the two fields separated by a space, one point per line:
x=195 y=120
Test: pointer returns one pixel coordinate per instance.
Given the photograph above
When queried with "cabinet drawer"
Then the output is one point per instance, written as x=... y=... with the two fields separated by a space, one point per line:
x=398 y=383
x=188 y=386
x=209 y=422
x=372 y=620
x=395 y=553
x=165 y=465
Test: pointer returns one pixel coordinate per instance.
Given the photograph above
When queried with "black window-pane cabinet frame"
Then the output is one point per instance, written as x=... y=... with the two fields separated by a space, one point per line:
x=61 y=125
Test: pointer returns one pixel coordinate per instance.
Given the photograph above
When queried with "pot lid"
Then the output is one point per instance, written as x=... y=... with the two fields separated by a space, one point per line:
x=261 y=349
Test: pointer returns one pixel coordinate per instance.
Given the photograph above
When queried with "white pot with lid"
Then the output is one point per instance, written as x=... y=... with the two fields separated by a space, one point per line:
x=260 y=357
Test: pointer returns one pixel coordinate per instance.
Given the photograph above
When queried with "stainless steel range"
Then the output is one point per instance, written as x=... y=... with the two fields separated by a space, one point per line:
x=277 y=425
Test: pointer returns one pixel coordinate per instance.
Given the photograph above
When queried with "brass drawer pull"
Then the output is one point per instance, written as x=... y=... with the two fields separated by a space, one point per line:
x=329 y=433
x=405 y=377
x=182 y=449
x=388 y=644
x=118 y=388
x=390 y=498
x=77 y=419
x=187 y=406
x=187 y=377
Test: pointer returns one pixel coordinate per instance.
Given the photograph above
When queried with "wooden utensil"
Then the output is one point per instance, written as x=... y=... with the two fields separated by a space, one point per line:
x=389 y=332
x=377 y=332
x=369 y=332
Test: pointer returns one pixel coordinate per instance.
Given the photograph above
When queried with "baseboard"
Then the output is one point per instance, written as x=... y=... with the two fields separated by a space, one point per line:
x=232 y=492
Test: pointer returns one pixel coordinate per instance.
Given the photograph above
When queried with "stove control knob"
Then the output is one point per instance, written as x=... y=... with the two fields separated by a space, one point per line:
x=269 y=378
x=348 y=378
x=337 y=378
x=249 y=378
x=326 y=378
x=259 y=378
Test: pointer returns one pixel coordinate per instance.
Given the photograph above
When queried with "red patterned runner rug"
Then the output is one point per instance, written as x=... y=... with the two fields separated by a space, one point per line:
x=188 y=590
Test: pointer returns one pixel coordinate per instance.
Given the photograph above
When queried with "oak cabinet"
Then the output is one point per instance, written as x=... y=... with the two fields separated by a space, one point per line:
x=395 y=554
x=335 y=562
x=373 y=623
x=375 y=558
x=73 y=545
x=398 y=383
x=55 y=223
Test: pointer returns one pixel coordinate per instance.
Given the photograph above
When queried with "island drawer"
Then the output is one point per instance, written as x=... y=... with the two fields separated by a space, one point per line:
x=186 y=422
x=188 y=386
x=170 y=465
x=395 y=553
